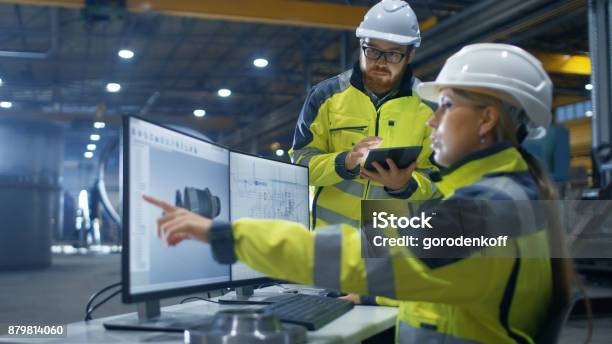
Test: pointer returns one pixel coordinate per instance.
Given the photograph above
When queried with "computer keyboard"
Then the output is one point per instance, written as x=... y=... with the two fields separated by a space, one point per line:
x=310 y=311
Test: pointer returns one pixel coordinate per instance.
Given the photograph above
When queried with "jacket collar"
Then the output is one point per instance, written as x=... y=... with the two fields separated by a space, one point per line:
x=499 y=158
x=405 y=86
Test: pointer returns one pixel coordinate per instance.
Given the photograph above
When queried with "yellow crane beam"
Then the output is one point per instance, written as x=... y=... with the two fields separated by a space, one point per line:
x=565 y=64
x=428 y=23
x=284 y=12
x=299 y=13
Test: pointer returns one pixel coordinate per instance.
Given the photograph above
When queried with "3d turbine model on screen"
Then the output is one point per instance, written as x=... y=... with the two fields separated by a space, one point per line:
x=201 y=202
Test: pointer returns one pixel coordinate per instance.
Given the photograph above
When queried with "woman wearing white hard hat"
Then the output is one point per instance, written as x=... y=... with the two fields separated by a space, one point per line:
x=491 y=96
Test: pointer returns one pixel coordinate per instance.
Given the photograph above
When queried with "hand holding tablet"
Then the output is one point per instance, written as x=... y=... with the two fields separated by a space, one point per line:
x=401 y=156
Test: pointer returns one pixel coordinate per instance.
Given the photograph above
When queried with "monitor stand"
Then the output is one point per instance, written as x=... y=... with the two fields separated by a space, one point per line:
x=150 y=318
x=247 y=296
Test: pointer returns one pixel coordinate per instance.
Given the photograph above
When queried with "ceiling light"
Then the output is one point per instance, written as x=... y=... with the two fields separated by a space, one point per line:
x=113 y=87
x=88 y=155
x=589 y=113
x=91 y=147
x=6 y=105
x=280 y=152
x=94 y=137
x=588 y=87
x=199 y=112
x=99 y=125
x=260 y=63
x=224 y=92
x=125 y=54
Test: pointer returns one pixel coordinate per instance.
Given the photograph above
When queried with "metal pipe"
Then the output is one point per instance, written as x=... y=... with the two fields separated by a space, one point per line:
x=600 y=44
x=534 y=32
x=593 y=48
x=454 y=20
x=535 y=18
x=504 y=13
x=606 y=124
x=444 y=38
x=150 y=103
x=54 y=19
x=107 y=153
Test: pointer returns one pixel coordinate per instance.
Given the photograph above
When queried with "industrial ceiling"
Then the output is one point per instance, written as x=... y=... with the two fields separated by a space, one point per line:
x=56 y=58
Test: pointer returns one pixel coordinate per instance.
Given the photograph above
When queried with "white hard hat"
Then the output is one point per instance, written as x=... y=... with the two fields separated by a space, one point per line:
x=392 y=21
x=510 y=72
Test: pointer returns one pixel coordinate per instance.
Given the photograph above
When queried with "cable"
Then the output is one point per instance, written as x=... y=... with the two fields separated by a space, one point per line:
x=88 y=315
x=95 y=295
x=197 y=298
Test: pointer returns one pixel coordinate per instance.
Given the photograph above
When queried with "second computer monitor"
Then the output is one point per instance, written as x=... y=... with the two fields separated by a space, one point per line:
x=266 y=189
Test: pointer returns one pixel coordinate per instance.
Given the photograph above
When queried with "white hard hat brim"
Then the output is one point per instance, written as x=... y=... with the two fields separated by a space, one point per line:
x=430 y=91
x=389 y=37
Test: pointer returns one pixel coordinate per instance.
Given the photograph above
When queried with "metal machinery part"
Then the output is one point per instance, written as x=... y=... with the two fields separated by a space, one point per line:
x=201 y=202
x=109 y=151
x=245 y=327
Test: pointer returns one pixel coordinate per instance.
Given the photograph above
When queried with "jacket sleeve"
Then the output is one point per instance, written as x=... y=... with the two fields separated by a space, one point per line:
x=379 y=301
x=331 y=258
x=421 y=187
x=311 y=143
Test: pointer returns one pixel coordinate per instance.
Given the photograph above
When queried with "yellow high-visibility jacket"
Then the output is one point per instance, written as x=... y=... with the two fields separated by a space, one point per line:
x=469 y=300
x=336 y=115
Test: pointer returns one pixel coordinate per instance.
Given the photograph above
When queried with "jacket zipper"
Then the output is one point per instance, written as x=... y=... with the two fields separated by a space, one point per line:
x=377 y=120
x=375 y=134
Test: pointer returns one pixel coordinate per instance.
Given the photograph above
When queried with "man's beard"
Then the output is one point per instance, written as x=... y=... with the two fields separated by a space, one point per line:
x=381 y=84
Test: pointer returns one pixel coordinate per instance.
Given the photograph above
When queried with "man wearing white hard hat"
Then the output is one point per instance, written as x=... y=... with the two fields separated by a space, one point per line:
x=372 y=105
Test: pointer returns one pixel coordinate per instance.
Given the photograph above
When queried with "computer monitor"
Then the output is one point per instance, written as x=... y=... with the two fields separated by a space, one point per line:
x=207 y=179
x=265 y=189
x=185 y=171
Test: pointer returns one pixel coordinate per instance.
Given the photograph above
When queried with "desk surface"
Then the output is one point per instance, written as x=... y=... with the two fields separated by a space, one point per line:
x=358 y=324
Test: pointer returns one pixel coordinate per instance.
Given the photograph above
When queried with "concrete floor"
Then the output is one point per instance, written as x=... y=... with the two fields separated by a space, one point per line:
x=59 y=295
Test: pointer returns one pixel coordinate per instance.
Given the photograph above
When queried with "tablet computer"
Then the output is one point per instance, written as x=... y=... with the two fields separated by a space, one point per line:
x=401 y=156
